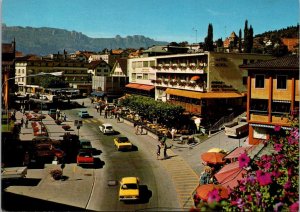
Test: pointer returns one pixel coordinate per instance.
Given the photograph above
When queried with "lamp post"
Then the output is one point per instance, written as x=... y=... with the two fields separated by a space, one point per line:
x=5 y=94
x=196 y=33
x=239 y=133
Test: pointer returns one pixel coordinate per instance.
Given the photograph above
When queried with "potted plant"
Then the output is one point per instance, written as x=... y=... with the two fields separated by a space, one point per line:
x=56 y=174
x=66 y=127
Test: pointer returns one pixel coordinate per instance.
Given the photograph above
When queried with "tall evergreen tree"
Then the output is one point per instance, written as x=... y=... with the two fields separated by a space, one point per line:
x=209 y=44
x=248 y=38
x=240 y=41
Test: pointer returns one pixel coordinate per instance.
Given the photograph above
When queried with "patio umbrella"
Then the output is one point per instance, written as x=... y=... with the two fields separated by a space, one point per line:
x=230 y=174
x=203 y=191
x=213 y=157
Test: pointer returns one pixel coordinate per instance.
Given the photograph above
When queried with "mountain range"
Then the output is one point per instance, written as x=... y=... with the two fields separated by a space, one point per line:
x=45 y=40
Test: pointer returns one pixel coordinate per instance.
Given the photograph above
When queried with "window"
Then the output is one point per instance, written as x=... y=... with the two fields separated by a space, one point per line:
x=145 y=63
x=259 y=81
x=281 y=81
x=152 y=63
x=134 y=76
x=145 y=76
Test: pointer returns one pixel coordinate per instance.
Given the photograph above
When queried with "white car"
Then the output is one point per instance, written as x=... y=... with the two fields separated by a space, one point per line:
x=106 y=128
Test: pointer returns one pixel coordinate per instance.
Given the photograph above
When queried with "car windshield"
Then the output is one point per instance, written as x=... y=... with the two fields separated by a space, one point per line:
x=130 y=186
x=109 y=127
x=86 y=143
x=85 y=154
x=123 y=139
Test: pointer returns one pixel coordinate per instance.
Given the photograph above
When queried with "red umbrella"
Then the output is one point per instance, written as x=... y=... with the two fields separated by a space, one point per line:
x=213 y=157
x=230 y=174
x=203 y=190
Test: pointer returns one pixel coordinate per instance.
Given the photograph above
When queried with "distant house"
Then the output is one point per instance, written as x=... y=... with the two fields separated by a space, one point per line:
x=273 y=95
x=99 y=68
x=231 y=39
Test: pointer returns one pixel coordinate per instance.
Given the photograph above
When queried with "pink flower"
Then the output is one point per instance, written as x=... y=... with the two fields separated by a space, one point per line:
x=264 y=178
x=279 y=158
x=266 y=158
x=294 y=207
x=277 y=128
x=278 y=147
x=213 y=196
x=251 y=179
x=287 y=185
x=276 y=174
x=267 y=165
x=244 y=160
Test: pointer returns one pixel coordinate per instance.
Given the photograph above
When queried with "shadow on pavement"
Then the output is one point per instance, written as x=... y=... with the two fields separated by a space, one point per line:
x=145 y=195
x=16 y=202
x=20 y=182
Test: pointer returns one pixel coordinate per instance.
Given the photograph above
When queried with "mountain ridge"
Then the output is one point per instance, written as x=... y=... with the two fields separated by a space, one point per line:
x=48 y=40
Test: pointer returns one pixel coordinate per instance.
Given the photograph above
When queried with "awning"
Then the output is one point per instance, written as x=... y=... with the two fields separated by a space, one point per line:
x=194 y=78
x=200 y=95
x=98 y=93
x=140 y=86
x=230 y=174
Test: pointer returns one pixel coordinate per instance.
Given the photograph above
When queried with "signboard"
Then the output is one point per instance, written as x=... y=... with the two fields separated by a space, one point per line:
x=78 y=123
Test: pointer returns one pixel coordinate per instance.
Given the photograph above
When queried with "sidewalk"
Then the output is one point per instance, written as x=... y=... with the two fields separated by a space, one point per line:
x=46 y=188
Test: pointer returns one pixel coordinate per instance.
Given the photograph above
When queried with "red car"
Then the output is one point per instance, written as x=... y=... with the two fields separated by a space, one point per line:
x=85 y=158
x=48 y=151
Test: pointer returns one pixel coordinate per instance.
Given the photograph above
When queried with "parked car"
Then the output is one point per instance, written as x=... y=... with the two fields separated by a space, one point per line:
x=129 y=189
x=85 y=145
x=13 y=172
x=47 y=151
x=106 y=128
x=85 y=158
x=122 y=143
x=83 y=114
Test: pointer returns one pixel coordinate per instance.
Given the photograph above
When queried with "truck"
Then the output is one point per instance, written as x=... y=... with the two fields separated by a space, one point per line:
x=237 y=128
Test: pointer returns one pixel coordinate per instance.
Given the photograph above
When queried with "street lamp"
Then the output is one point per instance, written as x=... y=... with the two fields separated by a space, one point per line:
x=196 y=33
x=5 y=94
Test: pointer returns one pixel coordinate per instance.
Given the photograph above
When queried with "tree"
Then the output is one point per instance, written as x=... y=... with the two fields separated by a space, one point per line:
x=240 y=41
x=219 y=42
x=52 y=82
x=248 y=38
x=209 y=44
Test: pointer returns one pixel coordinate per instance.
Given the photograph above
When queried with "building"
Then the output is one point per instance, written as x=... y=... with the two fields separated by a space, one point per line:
x=199 y=82
x=75 y=73
x=291 y=43
x=8 y=67
x=273 y=95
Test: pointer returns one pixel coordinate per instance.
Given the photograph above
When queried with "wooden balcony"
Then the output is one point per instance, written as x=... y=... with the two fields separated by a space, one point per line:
x=280 y=119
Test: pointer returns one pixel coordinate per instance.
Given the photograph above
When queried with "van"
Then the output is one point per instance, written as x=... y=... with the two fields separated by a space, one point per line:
x=83 y=114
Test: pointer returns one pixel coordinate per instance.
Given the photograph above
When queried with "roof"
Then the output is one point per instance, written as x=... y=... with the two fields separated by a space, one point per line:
x=126 y=180
x=140 y=86
x=7 y=48
x=287 y=62
x=238 y=151
x=200 y=95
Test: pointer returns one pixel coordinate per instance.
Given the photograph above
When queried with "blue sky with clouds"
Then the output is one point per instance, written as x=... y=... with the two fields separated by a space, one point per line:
x=164 y=20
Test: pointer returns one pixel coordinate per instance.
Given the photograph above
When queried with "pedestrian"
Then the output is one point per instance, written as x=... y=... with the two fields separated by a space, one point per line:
x=165 y=150
x=97 y=108
x=105 y=114
x=141 y=129
x=137 y=129
x=118 y=118
x=26 y=123
x=158 y=151
x=100 y=108
x=22 y=122
x=82 y=104
x=173 y=131
x=65 y=117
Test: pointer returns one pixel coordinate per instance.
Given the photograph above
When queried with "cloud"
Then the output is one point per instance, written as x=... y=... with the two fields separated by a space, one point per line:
x=215 y=13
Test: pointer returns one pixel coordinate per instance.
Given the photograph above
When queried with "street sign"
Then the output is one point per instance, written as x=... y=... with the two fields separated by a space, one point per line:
x=78 y=123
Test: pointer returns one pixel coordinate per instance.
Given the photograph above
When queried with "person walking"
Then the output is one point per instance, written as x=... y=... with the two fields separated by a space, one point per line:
x=165 y=150
x=26 y=123
x=22 y=122
x=173 y=131
x=158 y=151
x=97 y=108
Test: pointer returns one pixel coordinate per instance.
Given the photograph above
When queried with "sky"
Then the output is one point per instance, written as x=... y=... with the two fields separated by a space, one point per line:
x=161 y=20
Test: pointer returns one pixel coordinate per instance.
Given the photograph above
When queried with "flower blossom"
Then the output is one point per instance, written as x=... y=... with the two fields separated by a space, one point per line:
x=294 y=207
x=244 y=160
x=278 y=147
x=277 y=206
x=264 y=178
x=277 y=128
x=213 y=196
x=287 y=185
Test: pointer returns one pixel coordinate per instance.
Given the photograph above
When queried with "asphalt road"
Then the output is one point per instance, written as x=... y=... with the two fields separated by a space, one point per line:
x=157 y=189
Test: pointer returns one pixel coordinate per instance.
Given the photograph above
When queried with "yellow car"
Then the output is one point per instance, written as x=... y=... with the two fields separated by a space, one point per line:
x=129 y=189
x=122 y=143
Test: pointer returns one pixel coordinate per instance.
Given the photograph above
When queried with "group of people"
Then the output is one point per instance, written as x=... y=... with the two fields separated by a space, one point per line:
x=60 y=115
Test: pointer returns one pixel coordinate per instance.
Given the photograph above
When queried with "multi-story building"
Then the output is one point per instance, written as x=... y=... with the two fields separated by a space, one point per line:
x=75 y=73
x=205 y=84
x=8 y=66
x=273 y=96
